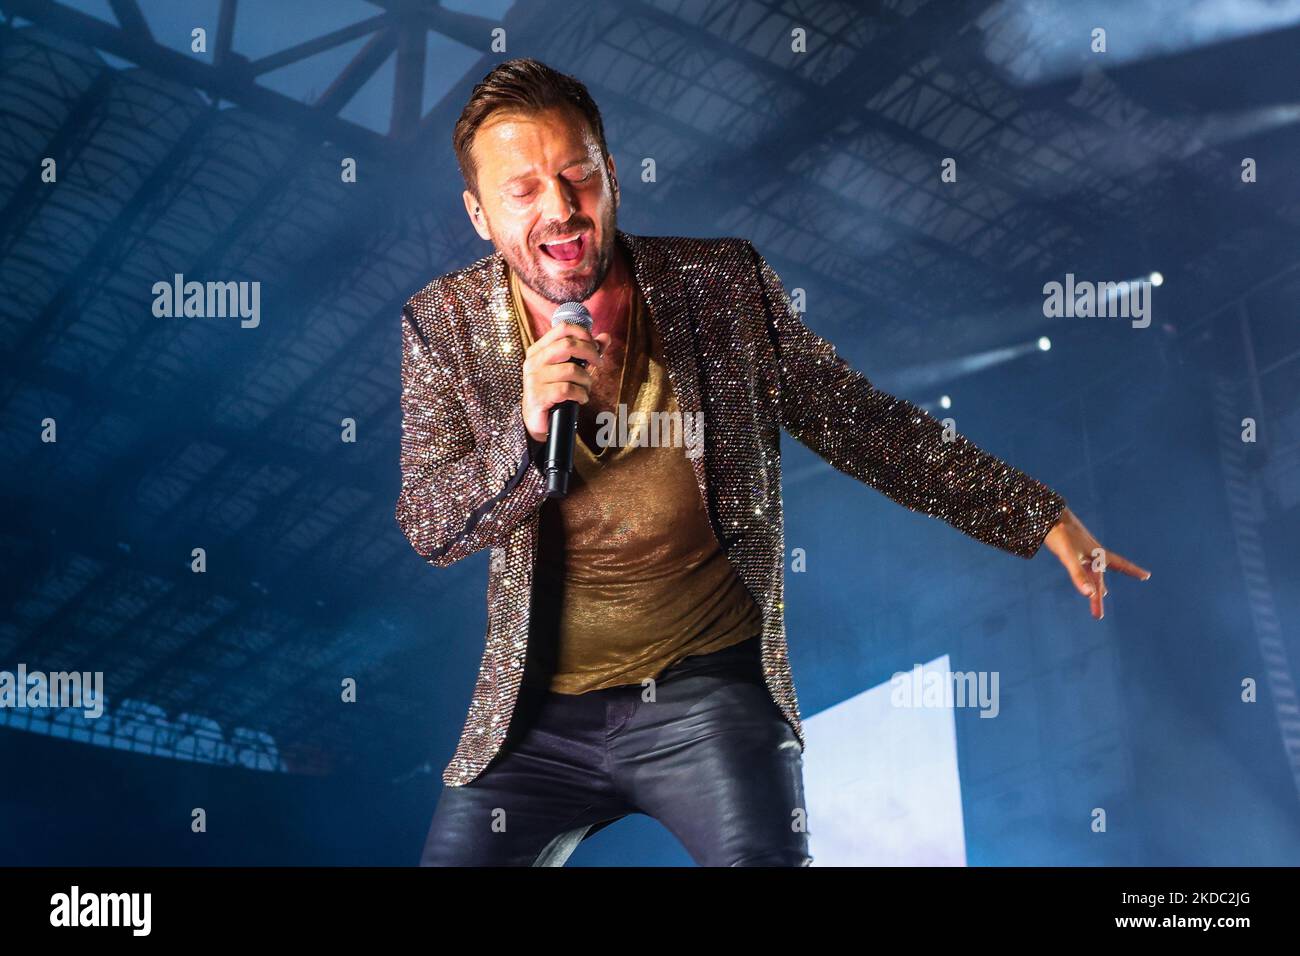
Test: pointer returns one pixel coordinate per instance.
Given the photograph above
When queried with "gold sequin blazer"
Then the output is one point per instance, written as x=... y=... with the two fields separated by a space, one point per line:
x=735 y=350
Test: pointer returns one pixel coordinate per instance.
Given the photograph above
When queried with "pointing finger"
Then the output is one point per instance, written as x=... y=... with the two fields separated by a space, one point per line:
x=1119 y=563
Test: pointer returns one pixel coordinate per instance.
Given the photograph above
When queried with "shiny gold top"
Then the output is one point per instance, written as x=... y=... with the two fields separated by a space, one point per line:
x=630 y=577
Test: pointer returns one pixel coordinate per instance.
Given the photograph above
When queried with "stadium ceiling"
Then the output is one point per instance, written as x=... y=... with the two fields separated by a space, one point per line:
x=176 y=434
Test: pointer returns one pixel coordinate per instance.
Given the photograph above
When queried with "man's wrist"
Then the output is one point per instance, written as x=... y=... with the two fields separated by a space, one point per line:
x=535 y=449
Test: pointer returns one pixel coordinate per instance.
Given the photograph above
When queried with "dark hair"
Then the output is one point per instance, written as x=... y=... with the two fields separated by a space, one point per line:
x=521 y=84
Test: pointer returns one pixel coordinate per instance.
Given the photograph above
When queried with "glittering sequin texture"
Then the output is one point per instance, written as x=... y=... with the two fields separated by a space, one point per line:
x=734 y=350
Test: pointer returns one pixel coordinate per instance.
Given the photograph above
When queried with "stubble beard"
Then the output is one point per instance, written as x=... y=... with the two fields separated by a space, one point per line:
x=556 y=289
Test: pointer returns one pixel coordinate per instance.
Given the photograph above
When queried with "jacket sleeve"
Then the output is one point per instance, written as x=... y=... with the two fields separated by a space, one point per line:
x=457 y=496
x=894 y=446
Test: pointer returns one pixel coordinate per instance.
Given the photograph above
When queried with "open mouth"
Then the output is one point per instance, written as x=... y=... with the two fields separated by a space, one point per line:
x=566 y=251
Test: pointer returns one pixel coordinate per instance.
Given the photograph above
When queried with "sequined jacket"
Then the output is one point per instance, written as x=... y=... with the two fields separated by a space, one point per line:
x=735 y=350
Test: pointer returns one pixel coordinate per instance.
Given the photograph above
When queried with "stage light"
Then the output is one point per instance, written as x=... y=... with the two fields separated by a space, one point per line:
x=1044 y=344
x=1157 y=279
x=945 y=401
x=1023 y=37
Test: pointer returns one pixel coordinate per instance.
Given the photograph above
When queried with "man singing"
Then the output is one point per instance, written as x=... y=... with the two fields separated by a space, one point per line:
x=636 y=657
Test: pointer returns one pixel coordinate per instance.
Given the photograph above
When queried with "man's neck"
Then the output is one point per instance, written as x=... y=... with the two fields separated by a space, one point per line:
x=609 y=305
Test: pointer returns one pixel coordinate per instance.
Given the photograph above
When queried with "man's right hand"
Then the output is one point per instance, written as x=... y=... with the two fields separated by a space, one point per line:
x=550 y=378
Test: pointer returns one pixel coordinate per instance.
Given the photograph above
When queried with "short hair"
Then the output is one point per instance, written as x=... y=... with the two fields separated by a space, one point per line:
x=526 y=85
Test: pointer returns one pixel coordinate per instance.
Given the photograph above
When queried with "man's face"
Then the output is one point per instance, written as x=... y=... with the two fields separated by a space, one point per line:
x=541 y=177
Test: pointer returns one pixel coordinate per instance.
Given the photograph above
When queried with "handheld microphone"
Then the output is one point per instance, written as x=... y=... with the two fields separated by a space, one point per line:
x=558 y=463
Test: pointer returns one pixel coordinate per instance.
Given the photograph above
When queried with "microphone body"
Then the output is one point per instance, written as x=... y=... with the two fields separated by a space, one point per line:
x=557 y=464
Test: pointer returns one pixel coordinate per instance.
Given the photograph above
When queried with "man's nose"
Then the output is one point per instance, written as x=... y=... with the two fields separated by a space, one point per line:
x=557 y=200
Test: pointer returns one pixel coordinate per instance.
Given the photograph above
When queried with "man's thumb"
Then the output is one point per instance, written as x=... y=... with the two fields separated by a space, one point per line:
x=1082 y=580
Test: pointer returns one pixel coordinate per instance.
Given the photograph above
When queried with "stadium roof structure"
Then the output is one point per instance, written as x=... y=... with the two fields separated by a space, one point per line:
x=225 y=165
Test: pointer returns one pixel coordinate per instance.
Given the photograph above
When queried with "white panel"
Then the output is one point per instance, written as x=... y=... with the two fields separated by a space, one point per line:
x=882 y=784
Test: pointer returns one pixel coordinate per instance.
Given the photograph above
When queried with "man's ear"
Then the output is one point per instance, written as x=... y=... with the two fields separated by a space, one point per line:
x=613 y=178
x=473 y=208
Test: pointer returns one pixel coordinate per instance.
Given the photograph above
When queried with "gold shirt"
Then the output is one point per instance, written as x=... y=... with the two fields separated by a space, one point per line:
x=630 y=577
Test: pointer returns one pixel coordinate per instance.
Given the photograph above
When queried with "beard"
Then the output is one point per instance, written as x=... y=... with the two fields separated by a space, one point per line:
x=525 y=261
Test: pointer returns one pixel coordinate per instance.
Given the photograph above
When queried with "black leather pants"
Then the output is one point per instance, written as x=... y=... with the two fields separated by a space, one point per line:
x=711 y=758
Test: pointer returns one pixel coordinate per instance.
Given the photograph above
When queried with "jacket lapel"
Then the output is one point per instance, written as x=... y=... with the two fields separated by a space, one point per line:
x=661 y=286
x=509 y=384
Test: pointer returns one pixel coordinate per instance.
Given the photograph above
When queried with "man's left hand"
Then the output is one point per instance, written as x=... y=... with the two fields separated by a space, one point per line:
x=1087 y=561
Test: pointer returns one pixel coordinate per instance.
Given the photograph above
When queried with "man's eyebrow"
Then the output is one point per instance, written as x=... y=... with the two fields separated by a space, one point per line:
x=522 y=176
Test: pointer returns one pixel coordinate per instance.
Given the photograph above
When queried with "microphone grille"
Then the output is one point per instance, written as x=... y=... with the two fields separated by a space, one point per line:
x=575 y=313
